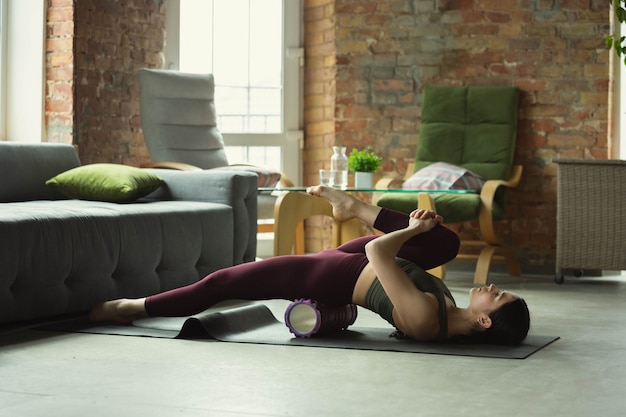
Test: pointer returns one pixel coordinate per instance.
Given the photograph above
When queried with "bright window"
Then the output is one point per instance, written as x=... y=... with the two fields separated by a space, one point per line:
x=240 y=43
x=252 y=47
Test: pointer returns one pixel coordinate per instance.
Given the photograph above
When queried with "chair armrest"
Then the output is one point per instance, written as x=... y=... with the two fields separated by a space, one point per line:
x=388 y=182
x=283 y=180
x=237 y=189
x=180 y=166
x=487 y=195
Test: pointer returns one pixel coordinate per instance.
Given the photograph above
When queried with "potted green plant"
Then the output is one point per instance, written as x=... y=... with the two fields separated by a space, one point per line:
x=363 y=163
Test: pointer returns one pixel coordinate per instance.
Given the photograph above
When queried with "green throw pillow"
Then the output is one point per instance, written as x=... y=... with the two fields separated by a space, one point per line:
x=105 y=182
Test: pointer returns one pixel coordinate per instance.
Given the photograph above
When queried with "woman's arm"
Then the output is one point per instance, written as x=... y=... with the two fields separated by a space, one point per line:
x=415 y=312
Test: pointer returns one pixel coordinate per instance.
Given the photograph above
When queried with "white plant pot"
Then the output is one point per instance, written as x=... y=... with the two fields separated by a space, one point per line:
x=363 y=179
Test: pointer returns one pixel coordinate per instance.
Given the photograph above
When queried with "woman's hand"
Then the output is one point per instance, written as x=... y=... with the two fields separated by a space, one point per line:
x=424 y=220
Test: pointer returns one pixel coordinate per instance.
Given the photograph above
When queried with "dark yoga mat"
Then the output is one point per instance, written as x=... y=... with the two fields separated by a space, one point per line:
x=255 y=323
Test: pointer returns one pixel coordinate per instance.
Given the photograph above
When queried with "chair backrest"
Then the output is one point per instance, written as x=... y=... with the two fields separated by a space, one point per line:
x=472 y=127
x=178 y=118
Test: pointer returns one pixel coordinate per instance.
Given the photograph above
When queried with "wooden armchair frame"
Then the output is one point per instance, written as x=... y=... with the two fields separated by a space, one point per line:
x=490 y=242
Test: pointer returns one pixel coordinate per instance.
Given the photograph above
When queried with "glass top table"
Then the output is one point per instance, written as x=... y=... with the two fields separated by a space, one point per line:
x=294 y=205
x=373 y=190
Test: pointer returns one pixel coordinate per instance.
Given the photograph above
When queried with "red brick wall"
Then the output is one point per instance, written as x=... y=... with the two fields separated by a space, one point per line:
x=366 y=64
x=94 y=50
x=114 y=39
x=387 y=51
x=319 y=104
x=59 y=108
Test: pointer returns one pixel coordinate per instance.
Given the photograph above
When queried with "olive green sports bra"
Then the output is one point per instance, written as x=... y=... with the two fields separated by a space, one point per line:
x=377 y=300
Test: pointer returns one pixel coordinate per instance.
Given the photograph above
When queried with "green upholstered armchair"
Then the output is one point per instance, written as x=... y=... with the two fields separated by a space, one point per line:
x=474 y=128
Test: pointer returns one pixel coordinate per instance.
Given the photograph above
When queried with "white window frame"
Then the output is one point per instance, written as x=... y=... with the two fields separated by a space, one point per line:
x=291 y=139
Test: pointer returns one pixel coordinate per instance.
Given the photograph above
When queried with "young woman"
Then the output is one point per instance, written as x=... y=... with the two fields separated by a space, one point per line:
x=385 y=274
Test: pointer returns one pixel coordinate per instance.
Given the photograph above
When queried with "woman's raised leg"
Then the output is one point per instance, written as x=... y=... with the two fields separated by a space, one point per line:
x=428 y=250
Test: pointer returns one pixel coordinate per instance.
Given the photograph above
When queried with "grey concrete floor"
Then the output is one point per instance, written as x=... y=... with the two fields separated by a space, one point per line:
x=582 y=374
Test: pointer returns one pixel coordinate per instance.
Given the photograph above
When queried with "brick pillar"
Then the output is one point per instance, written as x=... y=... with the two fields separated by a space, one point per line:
x=94 y=49
x=59 y=107
x=114 y=40
x=319 y=105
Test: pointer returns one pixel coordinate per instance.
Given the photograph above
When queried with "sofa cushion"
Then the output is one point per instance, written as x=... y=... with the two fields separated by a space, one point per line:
x=106 y=182
x=27 y=166
x=63 y=256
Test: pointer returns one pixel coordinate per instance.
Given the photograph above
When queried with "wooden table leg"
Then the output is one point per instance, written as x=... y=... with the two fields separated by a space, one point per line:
x=290 y=211
x=350 y=230
x=425 y=201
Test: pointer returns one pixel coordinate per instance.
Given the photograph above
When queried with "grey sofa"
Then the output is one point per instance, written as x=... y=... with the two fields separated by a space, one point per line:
x=60 y=255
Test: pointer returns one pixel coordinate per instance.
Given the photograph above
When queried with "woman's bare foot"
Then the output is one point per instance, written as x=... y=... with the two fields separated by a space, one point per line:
x=344 y=205
x=123 y=311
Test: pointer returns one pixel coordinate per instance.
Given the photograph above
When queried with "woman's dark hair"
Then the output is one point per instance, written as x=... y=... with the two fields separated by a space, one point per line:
x=509 y=325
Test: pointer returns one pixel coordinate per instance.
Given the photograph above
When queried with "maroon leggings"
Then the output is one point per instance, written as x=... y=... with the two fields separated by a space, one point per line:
x=328 y=277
